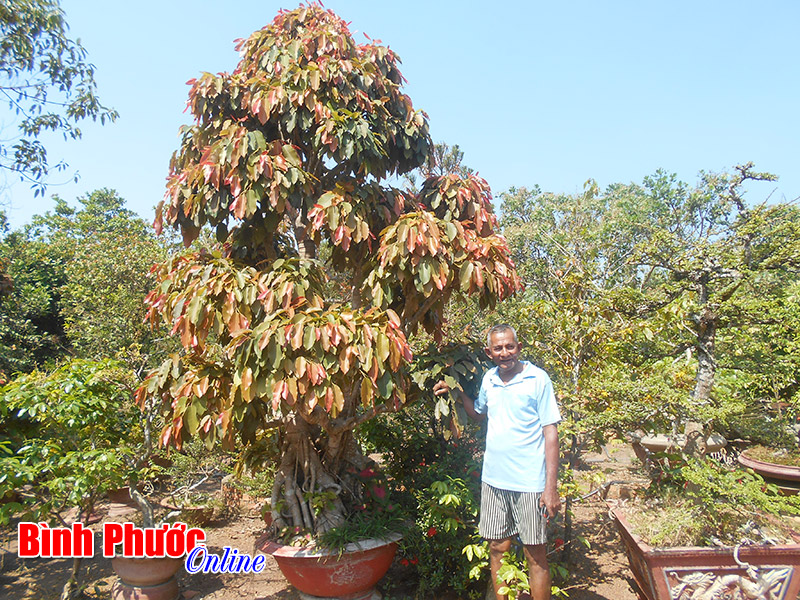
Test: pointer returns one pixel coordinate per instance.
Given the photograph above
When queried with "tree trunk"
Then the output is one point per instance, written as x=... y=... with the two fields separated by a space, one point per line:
x=305 y=245
x=68 y=592
x=706 y=371
x=572 y=454
x=71 y=586
x=315 y=477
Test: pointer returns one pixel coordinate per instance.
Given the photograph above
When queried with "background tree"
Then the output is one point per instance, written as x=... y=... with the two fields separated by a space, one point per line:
x=289 y=154
x=47 y=82
x=107 y=278
x=572 y=252
x=78 y=278
x=442 y=160
x=31 y=328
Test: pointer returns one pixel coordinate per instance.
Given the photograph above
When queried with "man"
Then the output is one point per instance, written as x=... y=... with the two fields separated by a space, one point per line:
x=520 y=465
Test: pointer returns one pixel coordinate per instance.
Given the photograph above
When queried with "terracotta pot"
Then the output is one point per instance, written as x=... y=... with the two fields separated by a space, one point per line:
x=120 y=496
x=145 y=578
x=325 y=574
x=685 y=573
x=786 y=477
x=197 y=515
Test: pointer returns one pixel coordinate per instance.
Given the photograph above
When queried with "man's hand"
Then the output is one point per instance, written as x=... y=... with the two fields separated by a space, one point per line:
x=551 y=502
x=441 y=388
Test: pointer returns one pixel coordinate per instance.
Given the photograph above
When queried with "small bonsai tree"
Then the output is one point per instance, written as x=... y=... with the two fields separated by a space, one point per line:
x=67 y=437
x=301 y=320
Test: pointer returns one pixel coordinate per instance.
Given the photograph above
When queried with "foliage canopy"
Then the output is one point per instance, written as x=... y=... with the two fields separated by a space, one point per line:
x=47 y=81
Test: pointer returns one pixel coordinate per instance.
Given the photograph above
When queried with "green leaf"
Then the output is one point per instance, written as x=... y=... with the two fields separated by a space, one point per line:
x=196 y=305
x=309 y=337
x=385 y=385
x=190 y=419
x=424 y=272
x=443 y=406
x=465 y=276
x=382 y=344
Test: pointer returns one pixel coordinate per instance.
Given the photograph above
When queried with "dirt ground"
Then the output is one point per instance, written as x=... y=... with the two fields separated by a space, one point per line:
x=599 y=573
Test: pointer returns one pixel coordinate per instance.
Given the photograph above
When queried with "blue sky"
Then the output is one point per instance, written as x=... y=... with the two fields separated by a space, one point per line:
x=547 y=93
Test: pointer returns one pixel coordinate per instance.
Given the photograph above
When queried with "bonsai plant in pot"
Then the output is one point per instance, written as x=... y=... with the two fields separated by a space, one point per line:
x=710 y=261
x=74 y=433
x=77 y=435
x=301 y=319
x=776 y=465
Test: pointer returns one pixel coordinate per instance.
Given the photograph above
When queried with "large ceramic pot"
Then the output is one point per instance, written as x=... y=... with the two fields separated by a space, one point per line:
x=693 y=573
x=145 y=578
x=786 y=477
x=351 y=575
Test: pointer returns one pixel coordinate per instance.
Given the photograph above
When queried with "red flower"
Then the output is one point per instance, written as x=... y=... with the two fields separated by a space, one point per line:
x=404 y=562
x=431 y=532
x=378 y=491
x=558 y=543
x=414 y=560
x=367 y=473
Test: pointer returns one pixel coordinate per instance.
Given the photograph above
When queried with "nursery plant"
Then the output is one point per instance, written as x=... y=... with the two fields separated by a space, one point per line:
x=708 y=254
x=438 y=483
x=707 y=261
x=68 y=436
x=302 y=319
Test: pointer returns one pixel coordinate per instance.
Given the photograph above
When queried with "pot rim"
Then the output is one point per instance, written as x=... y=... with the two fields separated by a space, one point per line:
x=789 y=472
x=313 y=551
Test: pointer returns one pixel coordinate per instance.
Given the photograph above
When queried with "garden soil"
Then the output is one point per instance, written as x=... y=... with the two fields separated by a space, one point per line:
x=600 y=572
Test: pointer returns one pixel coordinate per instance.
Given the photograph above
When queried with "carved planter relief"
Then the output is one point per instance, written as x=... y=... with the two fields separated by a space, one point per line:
x=692 y=573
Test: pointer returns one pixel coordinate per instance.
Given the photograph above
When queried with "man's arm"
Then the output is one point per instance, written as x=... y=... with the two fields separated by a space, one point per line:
x=550 y=497
x=469 y=404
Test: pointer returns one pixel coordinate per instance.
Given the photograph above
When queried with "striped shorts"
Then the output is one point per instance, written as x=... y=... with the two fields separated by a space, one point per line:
x=505 y=513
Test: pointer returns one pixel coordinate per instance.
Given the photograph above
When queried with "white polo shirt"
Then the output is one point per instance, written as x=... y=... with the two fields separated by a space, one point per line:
x=517 y=411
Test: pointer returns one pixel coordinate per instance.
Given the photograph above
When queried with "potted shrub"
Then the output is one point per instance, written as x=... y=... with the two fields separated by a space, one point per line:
x=74 y=434
x=193 y=488
x=301 y=319
x=706 y=528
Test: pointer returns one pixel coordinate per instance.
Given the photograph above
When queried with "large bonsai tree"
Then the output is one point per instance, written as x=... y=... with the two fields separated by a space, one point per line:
x=302 y=319
x=708 y=256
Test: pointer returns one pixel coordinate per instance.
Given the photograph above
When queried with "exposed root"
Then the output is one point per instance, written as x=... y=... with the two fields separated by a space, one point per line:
x=300 y=481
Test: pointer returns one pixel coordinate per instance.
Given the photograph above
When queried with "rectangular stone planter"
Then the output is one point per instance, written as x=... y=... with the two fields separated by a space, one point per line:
x=694 y=573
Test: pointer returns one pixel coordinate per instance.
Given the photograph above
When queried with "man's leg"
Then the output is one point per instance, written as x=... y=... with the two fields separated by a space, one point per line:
x=539 y=571
x=496 y=550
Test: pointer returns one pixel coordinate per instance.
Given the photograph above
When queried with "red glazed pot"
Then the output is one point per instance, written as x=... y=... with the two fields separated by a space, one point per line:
x=325 y=574
x=689 y=573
